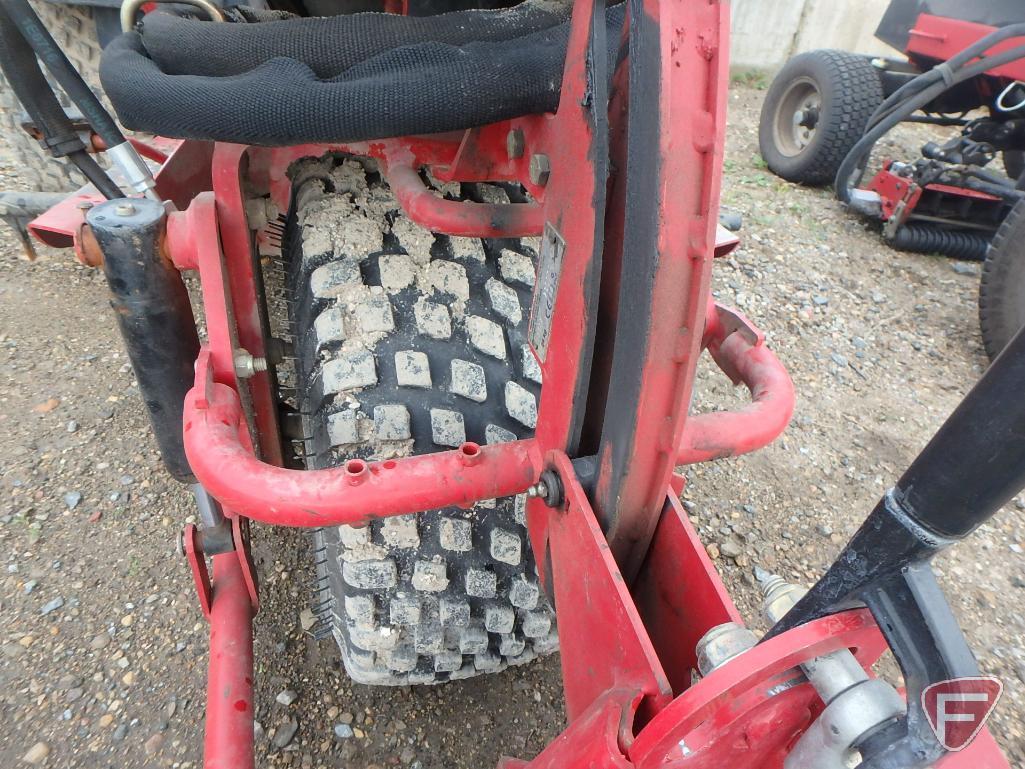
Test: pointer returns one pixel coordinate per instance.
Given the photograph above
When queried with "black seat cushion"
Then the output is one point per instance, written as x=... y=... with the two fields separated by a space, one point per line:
x=341 y=78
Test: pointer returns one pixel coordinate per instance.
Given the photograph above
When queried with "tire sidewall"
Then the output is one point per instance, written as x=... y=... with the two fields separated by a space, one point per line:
x=839 y=126
x=1002 y=287
x=803 y=67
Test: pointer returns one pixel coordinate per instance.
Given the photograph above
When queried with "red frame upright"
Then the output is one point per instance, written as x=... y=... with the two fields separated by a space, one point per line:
x=643 y=591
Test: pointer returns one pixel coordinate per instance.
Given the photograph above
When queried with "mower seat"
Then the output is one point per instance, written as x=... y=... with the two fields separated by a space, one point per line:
x=287 y=81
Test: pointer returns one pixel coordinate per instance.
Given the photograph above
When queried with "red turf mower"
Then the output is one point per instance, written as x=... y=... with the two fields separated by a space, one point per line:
x=826 y=110
x=406 y=377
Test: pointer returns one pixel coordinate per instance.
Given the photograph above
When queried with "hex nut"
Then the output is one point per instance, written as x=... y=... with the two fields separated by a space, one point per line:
x=540 y=169
x=721 y=644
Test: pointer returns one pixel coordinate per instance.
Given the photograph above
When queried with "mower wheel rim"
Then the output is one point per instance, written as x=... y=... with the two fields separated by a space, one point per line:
x=796 y=120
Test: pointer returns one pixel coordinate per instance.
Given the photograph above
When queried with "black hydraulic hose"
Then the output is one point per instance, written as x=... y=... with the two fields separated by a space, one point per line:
x=20 y=68
x=853 y=164
x=957 y=61
x=94 y=172
x=37 y=36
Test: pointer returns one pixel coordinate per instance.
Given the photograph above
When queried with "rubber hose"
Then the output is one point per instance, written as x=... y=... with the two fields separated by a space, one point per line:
x=845 y=177
x=926 y=239
x=37 y=36
x=20 y=68
x=956 y=62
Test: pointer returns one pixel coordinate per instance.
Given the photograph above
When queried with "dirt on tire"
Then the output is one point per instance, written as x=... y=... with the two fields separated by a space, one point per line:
x=410 y=343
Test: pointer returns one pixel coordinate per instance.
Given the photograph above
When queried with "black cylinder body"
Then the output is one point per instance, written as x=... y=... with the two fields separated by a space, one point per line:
x=976 y=461
x=154 y=314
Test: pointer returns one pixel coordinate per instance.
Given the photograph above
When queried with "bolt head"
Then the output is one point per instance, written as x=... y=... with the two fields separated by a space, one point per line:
x=540 y=169
x=84 y=205
x=124 y=209
x=514 y=143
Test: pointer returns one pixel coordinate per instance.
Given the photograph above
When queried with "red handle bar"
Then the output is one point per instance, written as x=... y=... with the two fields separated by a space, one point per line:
x=738 y=348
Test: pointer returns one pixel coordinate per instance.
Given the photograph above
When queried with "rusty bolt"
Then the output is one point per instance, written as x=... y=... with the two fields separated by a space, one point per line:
x=124 y=209
x=540 y=169
x=514 y=143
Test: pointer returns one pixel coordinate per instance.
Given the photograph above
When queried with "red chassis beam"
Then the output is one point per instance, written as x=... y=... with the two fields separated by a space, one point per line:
x=940 y=38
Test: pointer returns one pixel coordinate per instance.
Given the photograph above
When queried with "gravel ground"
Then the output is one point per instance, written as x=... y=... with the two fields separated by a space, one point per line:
x=102 y=645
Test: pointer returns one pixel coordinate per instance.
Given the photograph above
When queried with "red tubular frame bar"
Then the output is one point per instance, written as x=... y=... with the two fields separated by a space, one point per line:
x=274 y=495
x=466 y=218
x=228 y=743
x=738 y=348
x=353 y=494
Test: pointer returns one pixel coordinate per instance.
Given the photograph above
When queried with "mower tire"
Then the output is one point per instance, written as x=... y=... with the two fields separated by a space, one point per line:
x=815 y=111
x=1002 y=288
x=412 y=343
x=74 y=29
x=1014 y=163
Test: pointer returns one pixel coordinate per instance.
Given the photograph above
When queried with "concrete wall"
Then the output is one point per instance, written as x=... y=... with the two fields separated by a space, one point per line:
x=768 y=32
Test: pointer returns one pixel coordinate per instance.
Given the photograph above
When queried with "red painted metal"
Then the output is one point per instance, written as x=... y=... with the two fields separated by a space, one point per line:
x=735 y=717
x=588 y=584
x=194 y=244
x=574 y=208
x=964 y=192
x=941 y=38
x=448 y=158
x=592 y=740
x=693 y=41
x=185 y=173
x=240 y=536
x=197 y=565
x=59 y=227
x=237 y=247
x=679 y=594
x=739 y=350
x=625 y=651
x=483 y=153
x=353 y=494
x=725 y=242
x=228 y=742
x=463 y=218
x=902 y=198
x=983 y=753
x=894 y=190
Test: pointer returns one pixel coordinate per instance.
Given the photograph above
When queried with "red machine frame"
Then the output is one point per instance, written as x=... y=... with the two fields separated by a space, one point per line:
x=935 y=39
x=938 y=38
x=643 y=588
